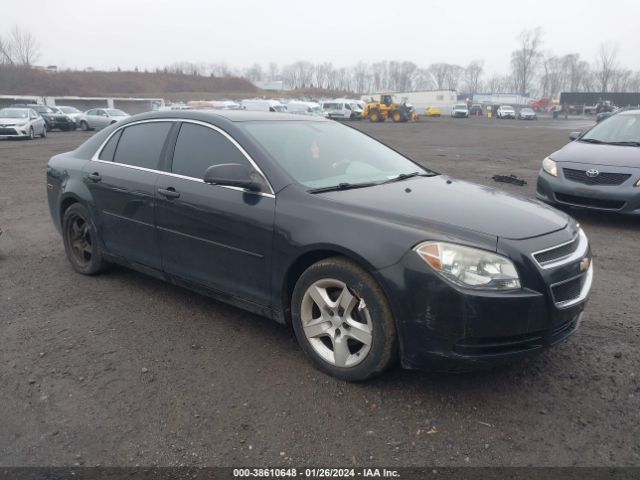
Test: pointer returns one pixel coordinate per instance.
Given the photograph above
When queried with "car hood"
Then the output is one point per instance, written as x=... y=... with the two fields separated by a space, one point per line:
x=5 y=120
x=426 y=202
x=611 y=155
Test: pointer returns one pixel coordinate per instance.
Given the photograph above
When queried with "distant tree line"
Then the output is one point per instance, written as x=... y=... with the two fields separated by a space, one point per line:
x=533 y=70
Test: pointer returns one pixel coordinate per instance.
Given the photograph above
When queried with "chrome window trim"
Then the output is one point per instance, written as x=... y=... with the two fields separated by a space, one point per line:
x=96 y=155
x=578 y=253
x=584 y=293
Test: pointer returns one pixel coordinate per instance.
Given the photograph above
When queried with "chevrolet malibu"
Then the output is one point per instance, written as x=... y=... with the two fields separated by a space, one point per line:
x=369 y=256
x=598 y=170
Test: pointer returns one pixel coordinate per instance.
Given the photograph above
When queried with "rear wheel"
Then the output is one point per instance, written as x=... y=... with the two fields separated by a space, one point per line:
x=84 y=126
x=397 y=116
x=81 y=241
x=343 y=321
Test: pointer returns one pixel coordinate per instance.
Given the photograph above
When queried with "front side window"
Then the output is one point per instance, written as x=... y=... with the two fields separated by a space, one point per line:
x=114 y=112
x=141 y=145
x=324 y=154
x=199 y=147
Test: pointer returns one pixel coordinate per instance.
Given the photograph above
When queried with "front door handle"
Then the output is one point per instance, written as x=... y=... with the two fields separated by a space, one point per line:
x=94 y=177
x=169 y=192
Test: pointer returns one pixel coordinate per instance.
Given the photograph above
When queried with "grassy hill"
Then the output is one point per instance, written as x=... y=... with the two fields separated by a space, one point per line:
x=20 y=80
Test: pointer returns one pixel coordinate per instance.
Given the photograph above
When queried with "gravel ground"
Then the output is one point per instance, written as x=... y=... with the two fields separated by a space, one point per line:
x=122 y=369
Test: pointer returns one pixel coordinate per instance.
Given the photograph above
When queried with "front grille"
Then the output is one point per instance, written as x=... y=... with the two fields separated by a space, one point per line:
x=603 y=178
x=590 y=202
x=8 y=131
x=557 y=253
x=567 y=291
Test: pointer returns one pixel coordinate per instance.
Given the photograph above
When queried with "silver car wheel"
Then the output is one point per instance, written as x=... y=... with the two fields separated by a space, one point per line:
x=337 y=324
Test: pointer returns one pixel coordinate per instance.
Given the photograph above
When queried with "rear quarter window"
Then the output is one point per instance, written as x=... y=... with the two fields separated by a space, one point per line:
x=110 y=147
x=141 y=145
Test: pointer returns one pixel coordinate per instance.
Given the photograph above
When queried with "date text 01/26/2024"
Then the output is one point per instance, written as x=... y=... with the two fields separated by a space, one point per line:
x=315 y=473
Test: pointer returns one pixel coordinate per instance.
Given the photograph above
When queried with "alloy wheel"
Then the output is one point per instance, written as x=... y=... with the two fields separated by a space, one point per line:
x=337 y=323
x=80 y=240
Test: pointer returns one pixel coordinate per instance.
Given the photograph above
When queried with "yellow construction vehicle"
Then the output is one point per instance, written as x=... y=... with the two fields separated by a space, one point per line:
x=378 y=110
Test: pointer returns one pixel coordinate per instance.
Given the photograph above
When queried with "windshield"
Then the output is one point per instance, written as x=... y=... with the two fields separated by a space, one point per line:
x=42 y=109
x=14 y=113
x=355 y=106
x=69 y=110
x=325 y=154
x=506 y=107
x=317 y=110
x=460 y=107
x=526 y=110
x=618 y=128
x=279 y=108
x=114 y=112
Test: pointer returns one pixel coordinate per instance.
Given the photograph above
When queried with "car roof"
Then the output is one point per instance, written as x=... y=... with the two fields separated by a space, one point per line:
x=230 y=115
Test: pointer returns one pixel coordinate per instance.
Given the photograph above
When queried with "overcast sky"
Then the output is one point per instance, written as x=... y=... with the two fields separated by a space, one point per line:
x=151 y=33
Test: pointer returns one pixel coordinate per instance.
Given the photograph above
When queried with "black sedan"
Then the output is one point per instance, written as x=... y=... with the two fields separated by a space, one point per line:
x=369 y=256
x=599 y=169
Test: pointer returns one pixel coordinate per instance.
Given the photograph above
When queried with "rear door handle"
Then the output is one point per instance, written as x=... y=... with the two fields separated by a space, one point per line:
x=169 y=192
x=94 y=177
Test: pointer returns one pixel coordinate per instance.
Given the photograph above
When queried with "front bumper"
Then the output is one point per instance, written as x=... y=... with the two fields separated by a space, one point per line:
x=14 y=132
x=445 y=327
x=624 y=198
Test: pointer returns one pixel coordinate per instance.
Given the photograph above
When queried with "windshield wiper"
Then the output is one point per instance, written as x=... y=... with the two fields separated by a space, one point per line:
x=342 y=186
x=630 y=143
x=404 y=176
x=591 y=140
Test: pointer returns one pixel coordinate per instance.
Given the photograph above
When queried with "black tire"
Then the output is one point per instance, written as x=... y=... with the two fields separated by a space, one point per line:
x=375 y=115
x=44 y=132
x=81 y=241
x=31 y=134
x=84 y=126
x=383 y=349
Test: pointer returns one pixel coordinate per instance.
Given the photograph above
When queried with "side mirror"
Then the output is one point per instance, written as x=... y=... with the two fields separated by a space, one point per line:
x=233 y=175
x=574 y=135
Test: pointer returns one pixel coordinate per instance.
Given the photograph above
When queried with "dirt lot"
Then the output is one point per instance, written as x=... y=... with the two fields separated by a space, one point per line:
x=122 y=369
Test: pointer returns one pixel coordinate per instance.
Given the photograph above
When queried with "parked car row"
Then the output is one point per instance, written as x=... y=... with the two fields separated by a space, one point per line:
x=31 y=120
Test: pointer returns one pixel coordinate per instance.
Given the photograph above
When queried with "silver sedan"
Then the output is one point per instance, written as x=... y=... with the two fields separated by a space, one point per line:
x=98 y=118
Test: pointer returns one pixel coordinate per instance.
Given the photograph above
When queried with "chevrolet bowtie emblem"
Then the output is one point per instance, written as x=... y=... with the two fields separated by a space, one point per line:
x=584 y=264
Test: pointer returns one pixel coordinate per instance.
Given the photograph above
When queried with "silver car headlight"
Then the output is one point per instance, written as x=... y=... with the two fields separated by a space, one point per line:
x=550 y=166
x=470 y=267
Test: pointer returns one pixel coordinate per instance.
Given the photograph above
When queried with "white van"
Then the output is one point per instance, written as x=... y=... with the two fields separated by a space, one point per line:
x=263 y=105
x=306 y=108
x=342 y=108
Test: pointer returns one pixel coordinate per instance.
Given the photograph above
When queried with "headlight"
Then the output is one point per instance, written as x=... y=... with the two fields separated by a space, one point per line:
x=470 y=267
x=20 y=125
x=550 y=167
x=637 y=184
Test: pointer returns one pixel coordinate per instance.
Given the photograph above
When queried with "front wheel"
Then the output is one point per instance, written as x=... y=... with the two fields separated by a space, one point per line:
x=343 y=321
x=31 y=134
x=81 y=241
x=44 y=132
x=84 y=126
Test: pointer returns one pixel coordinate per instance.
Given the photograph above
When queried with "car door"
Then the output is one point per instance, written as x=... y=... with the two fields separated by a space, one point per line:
x=101 y=119
x=122 y=181
x=37 y=122
x=216 y=236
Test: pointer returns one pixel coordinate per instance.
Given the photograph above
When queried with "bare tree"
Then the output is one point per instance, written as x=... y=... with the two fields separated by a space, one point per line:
x=453 y=76
x=606 y=64
x=23 y=46
x=440 y=72
x=524 y=60
x=472 y=74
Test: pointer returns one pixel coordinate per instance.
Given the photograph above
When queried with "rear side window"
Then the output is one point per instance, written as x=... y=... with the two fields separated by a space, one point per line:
x=198 y=148
x=110 y=148
x=141 y=145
